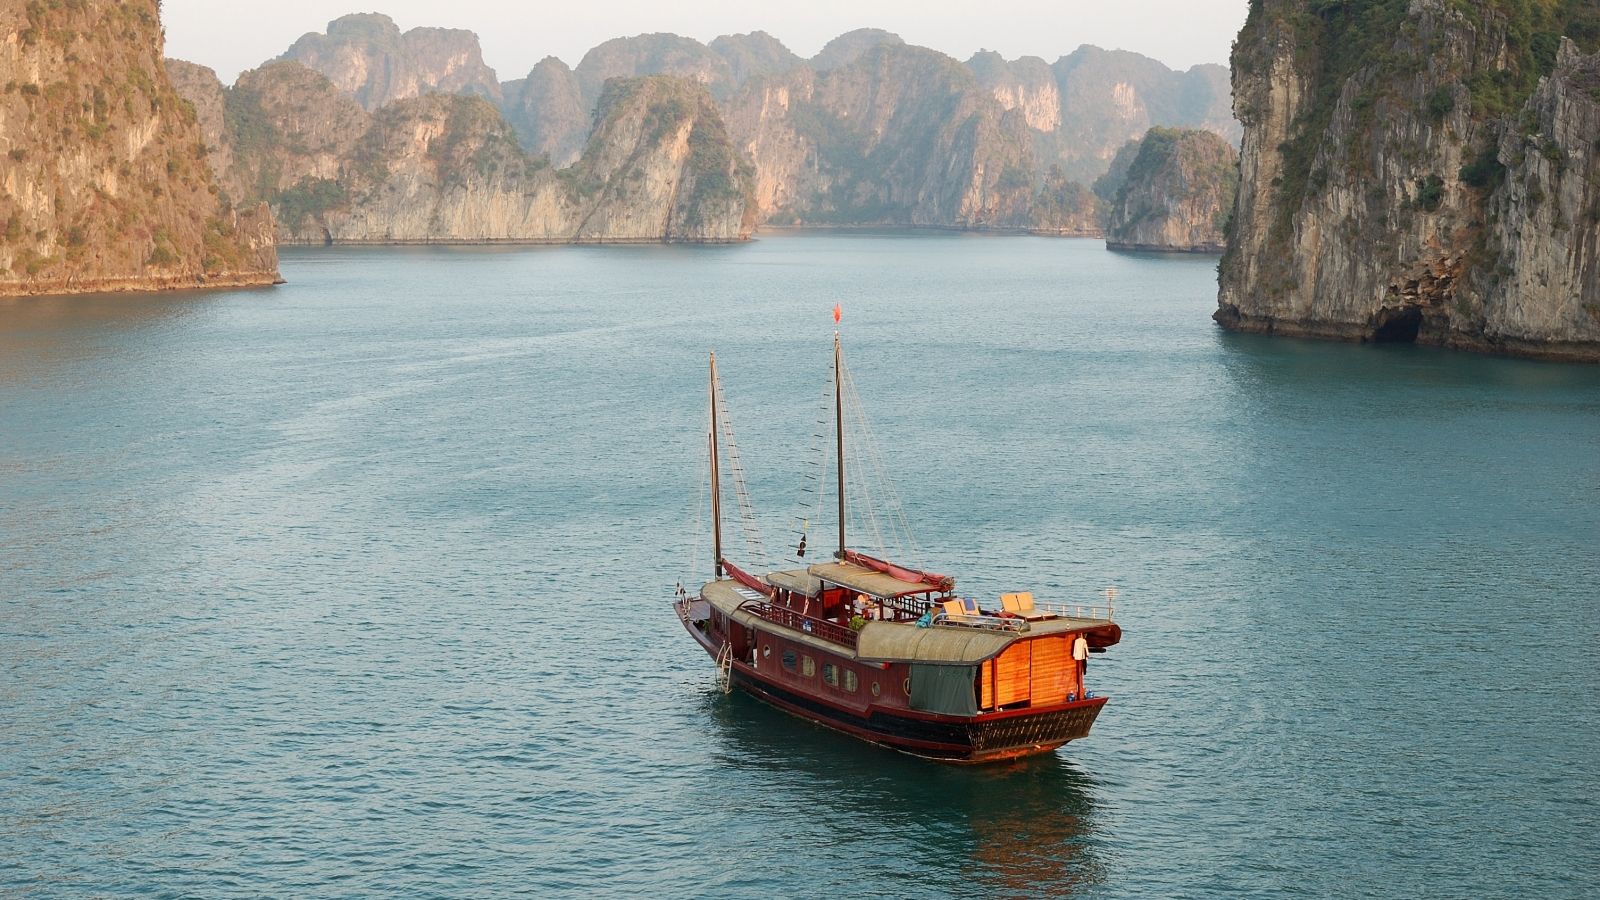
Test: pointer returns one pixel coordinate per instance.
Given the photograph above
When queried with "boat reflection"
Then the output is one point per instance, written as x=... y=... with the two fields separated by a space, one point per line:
x=1025 y=828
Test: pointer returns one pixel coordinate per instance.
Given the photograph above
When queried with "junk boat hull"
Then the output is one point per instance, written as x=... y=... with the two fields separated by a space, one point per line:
x=888 y=653
x=877 y=710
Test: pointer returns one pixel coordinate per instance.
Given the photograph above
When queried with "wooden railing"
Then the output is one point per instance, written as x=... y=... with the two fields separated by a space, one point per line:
x=789 y=618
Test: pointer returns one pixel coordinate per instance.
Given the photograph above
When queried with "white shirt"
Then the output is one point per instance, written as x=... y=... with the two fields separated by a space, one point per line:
x=1080 y=649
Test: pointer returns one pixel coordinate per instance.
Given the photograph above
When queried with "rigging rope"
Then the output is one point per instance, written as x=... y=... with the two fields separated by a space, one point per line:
x=875 y=513
x=747 y=514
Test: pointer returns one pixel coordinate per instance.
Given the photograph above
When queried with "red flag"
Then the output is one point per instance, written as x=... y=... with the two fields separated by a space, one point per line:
x=838 y=313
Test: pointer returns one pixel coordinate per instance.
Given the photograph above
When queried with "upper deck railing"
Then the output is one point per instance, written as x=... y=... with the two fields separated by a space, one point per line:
x=789 y=618
x=1077 y=611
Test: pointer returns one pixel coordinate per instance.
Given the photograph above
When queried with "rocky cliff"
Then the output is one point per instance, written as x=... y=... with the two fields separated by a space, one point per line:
x=870 y=131
x=366 y=56
x=548 y=111
x=1066 y=208
x=105 y=186
x=1108 y=97
x=1418 y=171
x=658 y=166
x=1176 y=193
x=901 y=136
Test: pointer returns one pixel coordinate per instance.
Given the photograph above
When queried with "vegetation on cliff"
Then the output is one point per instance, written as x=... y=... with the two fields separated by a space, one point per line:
x=1397 y=160
x=1176 y=193
x=103 y=164
x=1351 y=46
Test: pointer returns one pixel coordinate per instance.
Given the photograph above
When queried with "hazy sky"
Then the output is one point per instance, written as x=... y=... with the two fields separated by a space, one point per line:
x=231 y=37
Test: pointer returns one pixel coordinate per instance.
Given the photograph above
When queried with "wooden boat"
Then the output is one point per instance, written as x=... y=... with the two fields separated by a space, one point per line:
x=890 y=654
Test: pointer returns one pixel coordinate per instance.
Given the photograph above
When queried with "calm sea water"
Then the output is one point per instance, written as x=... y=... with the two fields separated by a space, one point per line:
x=359 y=585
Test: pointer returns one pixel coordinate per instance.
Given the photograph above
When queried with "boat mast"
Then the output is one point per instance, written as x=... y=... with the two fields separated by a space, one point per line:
x=838 y=424
x=716 y=481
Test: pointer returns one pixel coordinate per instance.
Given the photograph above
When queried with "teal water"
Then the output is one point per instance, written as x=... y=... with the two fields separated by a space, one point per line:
x=359 y=585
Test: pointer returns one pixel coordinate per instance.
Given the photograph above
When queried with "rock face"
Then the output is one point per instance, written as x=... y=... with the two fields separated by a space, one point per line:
x=548 y=111
x=366 y=56
x=851 y=46
x=901 y=136
x=105 y=185
x=1026 y=84
x=1176 y=194
x=448 y=168
x=1447 y=200
x=1048 y=126
x=287 y=129
x=652 y=54
x=870 y=132
x=756 y=53
x=1066 y=208
x=1109 y=97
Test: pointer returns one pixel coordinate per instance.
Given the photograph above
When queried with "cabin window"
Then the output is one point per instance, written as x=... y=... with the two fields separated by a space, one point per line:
x=851 y=683
x=789 y=660
x=906 y=686
x=830 y=674
x=766 y=650
x=875 y=689
x=808 y=667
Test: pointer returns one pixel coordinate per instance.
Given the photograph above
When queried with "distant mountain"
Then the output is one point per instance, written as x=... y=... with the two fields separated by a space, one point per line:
x=365 y=55
x=901 y=136
x=851 y=46
x=869 y=131
x=448 y=168
x=756 y=53
x=104 y=184
x=548 y=111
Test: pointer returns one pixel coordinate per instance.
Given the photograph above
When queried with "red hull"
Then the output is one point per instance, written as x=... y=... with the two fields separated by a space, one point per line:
x=987 y=737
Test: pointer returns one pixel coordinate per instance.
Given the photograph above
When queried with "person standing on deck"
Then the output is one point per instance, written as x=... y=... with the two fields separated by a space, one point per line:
x=1080 y=654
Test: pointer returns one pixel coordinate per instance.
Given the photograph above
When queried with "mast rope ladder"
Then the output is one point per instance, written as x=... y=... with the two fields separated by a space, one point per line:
x=811 y=515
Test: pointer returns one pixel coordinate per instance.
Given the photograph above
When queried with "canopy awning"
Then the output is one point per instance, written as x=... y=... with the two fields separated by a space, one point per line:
x=797 y=580
x=905 y=642
x=866 y=581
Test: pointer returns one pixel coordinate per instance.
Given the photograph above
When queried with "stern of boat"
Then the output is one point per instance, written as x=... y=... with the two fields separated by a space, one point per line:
x=996 y=738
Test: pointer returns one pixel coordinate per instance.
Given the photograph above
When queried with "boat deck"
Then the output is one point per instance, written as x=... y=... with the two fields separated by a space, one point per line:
x=947 y=640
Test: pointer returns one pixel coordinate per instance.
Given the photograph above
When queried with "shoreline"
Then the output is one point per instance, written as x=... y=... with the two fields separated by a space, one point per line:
x=1230 y=319
x=147 y=284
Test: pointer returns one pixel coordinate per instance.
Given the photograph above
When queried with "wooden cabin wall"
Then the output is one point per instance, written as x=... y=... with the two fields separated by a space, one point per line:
x=1012 y=675
x=1053 y=671
x=1040 y=670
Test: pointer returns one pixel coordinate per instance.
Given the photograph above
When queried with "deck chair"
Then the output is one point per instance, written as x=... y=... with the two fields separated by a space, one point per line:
x=1021 y=604
x=969 y=607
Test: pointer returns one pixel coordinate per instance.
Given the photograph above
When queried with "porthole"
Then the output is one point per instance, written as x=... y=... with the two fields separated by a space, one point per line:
x=808 y=667
x=875 y=689
x=851 y=683
x=766 y=650
x=789 y=660
x=830 y=674
x=906 y=686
